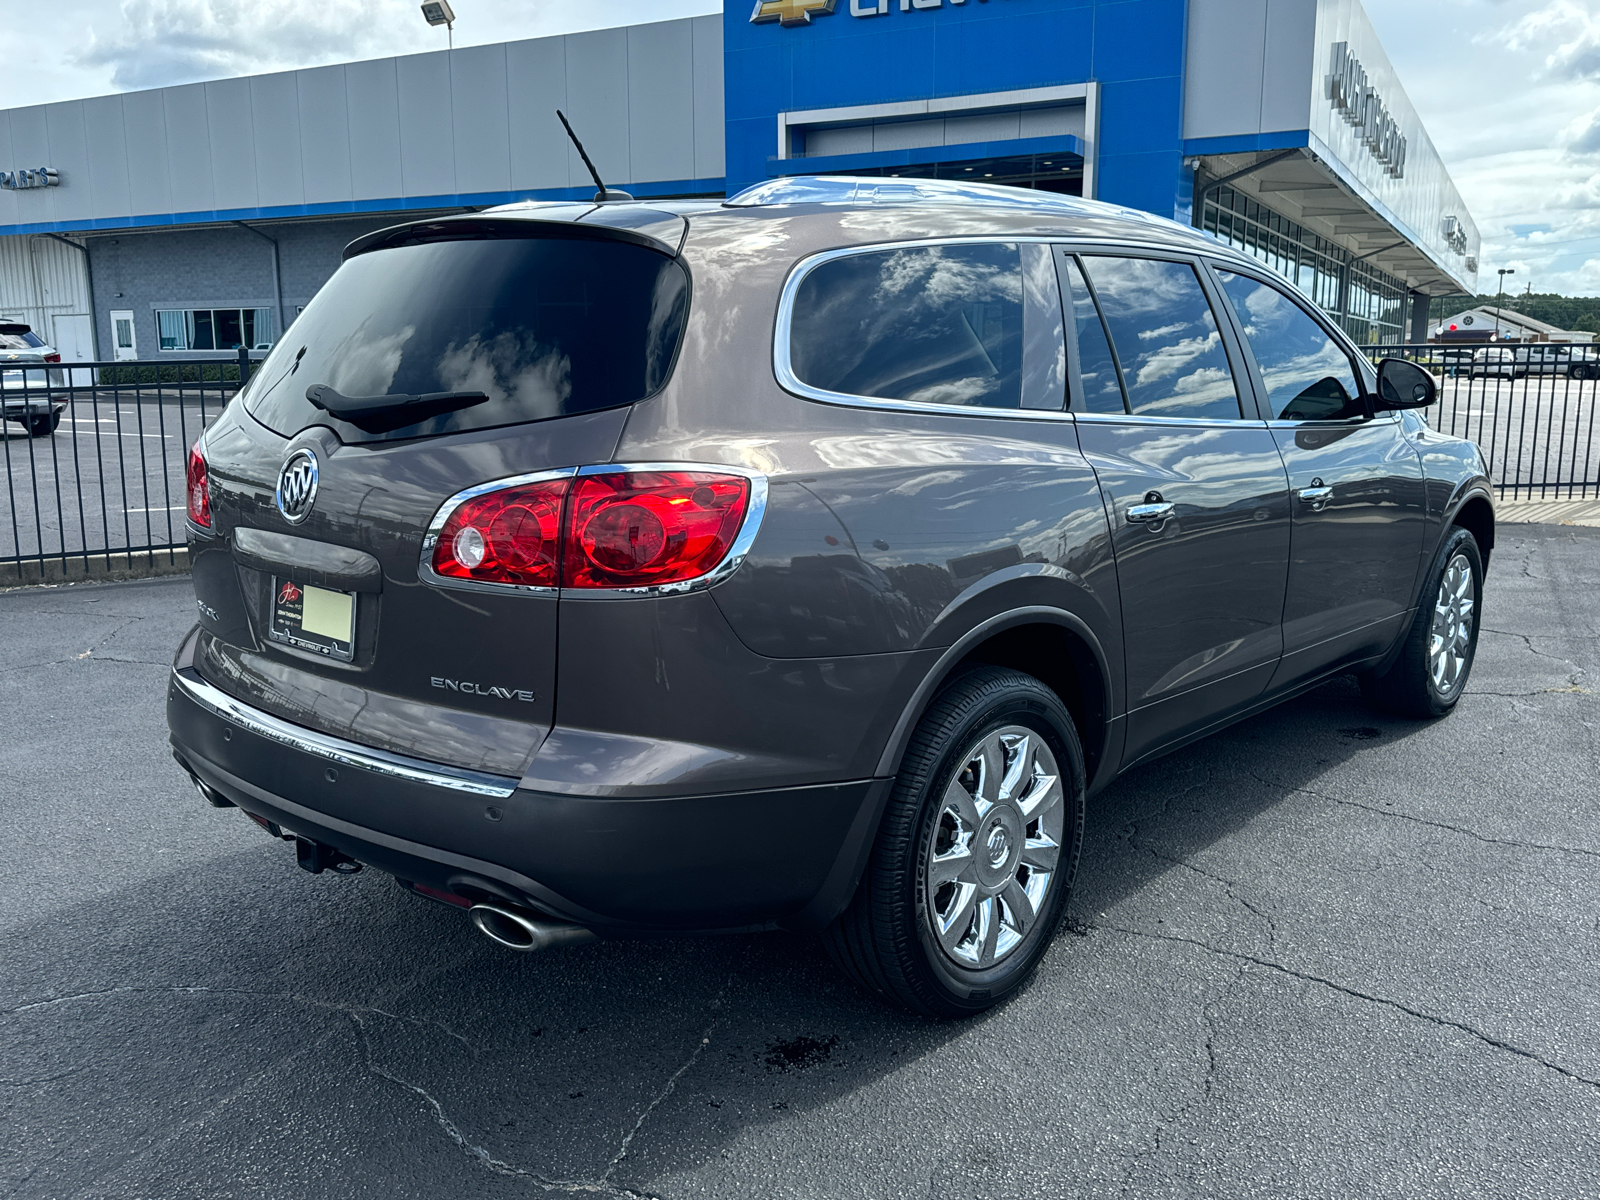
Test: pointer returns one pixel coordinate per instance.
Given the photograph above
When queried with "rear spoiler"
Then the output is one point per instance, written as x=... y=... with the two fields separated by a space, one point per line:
x=639 y=224
x=9 y=327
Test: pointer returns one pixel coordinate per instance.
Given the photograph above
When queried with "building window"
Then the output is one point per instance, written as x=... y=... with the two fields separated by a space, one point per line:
x=1368 y=303
x=214 y=328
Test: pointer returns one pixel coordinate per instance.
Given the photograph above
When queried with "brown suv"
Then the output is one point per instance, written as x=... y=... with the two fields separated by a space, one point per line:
x=806 y=559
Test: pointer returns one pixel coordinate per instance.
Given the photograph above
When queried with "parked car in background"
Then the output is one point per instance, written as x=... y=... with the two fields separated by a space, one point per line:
x=1582 y=362
x=1541 y=358
x=31 y=394
x=804 y=560
x=1497 y=362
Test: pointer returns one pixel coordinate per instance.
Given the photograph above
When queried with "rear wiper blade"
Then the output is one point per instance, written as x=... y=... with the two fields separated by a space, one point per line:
x=381 y=414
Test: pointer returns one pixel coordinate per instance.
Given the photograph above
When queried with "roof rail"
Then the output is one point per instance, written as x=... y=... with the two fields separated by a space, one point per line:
x=896 y=190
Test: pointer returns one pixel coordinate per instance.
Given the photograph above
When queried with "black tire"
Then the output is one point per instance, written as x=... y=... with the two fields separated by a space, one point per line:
x=42 y=426
x=885 y=940
x=1410 y=688
x=1579 y=372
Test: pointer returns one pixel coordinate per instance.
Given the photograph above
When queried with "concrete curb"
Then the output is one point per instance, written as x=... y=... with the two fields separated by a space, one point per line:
x=1548 y=512
x=113 y=567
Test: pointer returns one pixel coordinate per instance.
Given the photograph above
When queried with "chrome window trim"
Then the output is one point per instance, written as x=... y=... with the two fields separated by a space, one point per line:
x=337 y=750
x=430 y=539
x=1074 y=243
x=1386 y=417
x=730 y=562
x=784 y=368
x=1152 y=419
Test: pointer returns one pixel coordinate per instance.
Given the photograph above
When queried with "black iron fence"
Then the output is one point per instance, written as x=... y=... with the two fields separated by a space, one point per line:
x=95 y=453
x=95 y=456
x=1531 y=409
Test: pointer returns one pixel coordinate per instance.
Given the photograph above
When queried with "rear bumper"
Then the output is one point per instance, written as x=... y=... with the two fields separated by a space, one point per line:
x=622 y=867
x=30 y=406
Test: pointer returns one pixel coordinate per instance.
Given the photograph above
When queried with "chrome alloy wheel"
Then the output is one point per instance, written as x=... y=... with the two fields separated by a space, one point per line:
x=1450 y=638
x=994 y=849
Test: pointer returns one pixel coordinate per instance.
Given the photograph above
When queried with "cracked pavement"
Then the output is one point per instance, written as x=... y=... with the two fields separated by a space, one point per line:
x=1323 y=953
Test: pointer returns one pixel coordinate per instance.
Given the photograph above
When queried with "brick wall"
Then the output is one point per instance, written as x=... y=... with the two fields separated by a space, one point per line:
x=221 y=266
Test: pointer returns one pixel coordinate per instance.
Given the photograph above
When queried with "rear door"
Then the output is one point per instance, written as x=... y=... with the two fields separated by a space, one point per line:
x=1358 y=501
x=1193 y=485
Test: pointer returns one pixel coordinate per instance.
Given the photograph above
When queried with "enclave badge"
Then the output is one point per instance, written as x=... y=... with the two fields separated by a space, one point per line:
x=297 y=486
x=478 y=689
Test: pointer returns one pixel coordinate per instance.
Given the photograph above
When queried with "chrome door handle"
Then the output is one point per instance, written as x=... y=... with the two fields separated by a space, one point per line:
x=1150 y=514
x=1314 y=495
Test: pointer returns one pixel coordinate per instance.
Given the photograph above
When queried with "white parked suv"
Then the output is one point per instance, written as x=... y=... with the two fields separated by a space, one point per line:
x=1497 y=361
x=31 y=394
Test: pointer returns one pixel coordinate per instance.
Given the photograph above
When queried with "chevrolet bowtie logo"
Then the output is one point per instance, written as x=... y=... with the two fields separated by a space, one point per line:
x=790 y=12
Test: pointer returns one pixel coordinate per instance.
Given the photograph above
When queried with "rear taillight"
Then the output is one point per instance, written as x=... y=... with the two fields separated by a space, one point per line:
x=604 y=529
x=646 y=528
x=510 y=536
x=199 y=488
x=52 y=358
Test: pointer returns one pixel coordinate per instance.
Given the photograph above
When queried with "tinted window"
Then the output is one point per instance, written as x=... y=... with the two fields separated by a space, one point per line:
x=1308 y=376
x=20 y=341
x=1166 y=337
x=1097 y=371
x=931 y=324
x=544 y=326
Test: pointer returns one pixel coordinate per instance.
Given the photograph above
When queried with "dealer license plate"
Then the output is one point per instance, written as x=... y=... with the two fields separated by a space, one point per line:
x=313 y=618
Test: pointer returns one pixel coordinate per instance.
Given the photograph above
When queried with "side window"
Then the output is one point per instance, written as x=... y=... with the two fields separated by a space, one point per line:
x=1097 y=370
x=1166 y=338
x=930 y=324
x=1308 y=377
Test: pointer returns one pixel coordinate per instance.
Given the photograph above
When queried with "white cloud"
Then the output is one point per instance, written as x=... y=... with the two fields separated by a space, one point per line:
x=90 y=47
x=161 y=42
x=1572 y=27
x=1510 y=93
x=1583 y=135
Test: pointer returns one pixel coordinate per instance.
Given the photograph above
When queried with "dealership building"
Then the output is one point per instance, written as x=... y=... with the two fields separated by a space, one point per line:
x=186 y=221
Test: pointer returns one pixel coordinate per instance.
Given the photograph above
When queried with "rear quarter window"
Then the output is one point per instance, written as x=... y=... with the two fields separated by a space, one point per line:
x=967 y=325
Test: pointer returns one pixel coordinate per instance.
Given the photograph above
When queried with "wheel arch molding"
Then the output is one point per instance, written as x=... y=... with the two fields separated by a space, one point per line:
x=1052 y=644
x=1472 y=509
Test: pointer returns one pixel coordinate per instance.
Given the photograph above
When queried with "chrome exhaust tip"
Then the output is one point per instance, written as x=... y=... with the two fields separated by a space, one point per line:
x=518 y=930
x=210 y=794
x=207 y=793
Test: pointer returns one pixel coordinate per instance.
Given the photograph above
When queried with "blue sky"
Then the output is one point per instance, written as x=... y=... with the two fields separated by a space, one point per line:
x=1510 y=92
x=1509 y=89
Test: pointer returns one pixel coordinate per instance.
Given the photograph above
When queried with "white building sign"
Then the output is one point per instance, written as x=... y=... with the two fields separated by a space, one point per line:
x=1359 y=103
x=30 y=177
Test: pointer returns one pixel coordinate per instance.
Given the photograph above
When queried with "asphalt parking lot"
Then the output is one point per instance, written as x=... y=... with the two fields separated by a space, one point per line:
x=1321 y=954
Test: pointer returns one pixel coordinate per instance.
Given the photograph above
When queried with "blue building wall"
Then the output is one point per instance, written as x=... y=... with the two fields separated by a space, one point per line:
x=1133 y=48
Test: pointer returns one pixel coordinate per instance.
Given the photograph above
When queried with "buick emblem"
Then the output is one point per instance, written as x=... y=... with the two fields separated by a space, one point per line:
x=297 y=486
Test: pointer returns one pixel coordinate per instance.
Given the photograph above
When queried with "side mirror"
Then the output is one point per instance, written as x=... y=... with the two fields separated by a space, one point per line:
x=1403 y=384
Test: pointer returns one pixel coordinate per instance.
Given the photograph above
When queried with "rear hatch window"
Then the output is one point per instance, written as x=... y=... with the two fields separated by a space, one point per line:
x=542 y=320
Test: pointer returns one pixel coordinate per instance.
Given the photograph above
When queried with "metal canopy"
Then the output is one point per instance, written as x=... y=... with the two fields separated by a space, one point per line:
x=1306 y=190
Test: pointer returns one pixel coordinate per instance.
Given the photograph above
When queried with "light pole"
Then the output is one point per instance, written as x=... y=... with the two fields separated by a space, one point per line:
x=439 y=12
x=1504 y=271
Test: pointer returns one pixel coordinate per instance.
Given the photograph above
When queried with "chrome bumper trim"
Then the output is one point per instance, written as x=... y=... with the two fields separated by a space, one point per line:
x=296 y=737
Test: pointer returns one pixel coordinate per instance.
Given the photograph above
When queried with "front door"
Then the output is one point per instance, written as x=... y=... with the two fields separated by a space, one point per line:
x=1194 y=489
x=123 y=340
x=1359 y=503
